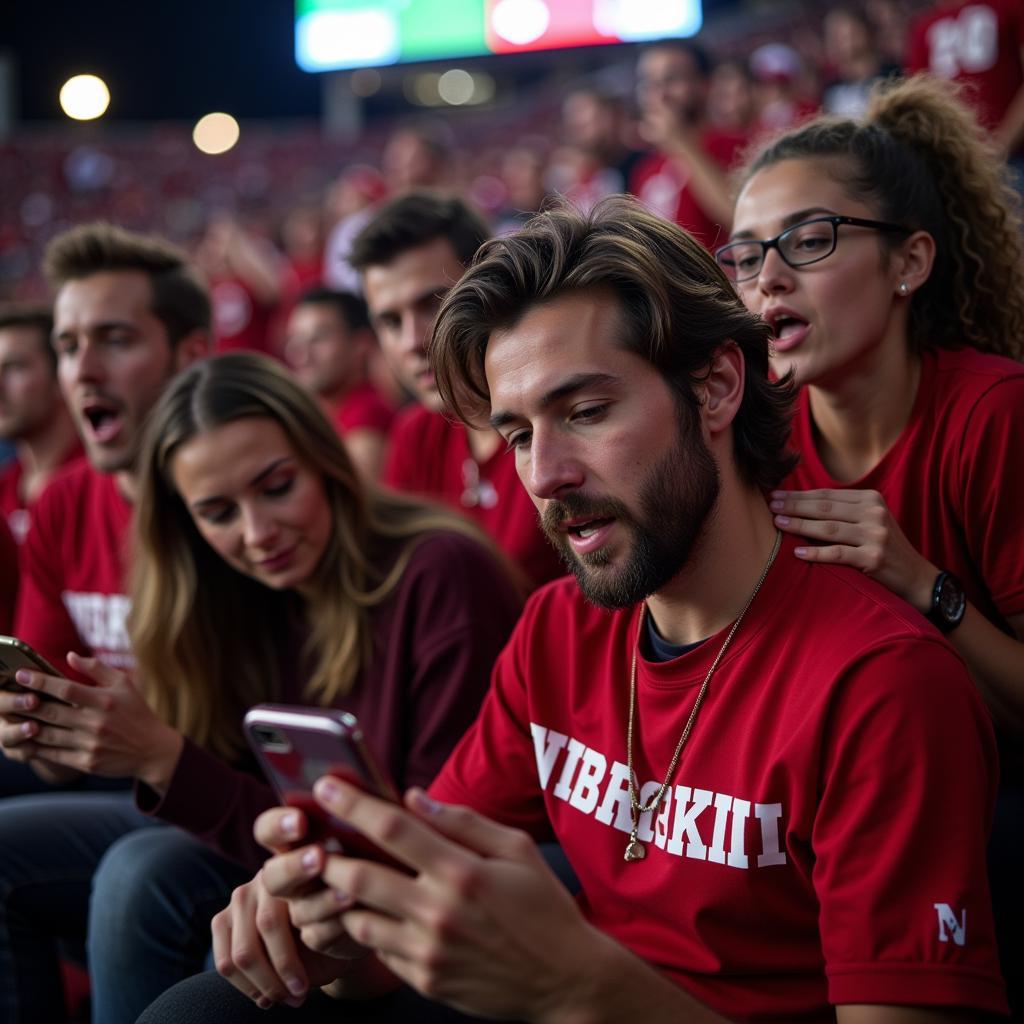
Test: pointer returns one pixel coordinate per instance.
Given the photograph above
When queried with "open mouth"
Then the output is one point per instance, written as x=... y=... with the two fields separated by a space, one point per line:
x=104 y=420
x=588 y=529
x=785 y=326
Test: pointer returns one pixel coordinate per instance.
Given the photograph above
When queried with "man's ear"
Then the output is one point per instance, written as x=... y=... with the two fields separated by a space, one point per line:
x=191 y=348
x=723 y=388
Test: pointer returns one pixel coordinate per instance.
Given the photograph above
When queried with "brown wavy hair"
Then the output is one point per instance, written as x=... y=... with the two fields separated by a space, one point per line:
x=209 y=640
x=179 y=298
x=921 y=159
x=678 y=309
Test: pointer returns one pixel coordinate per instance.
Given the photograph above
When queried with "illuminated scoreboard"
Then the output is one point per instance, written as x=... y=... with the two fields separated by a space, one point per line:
x=334 y=35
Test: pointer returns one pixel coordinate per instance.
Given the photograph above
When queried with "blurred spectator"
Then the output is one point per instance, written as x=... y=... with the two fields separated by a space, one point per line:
x=978 y=44
x=418 y=154
x=329 y=342
x=595 y=123
x=781 y=99
x=889 y=25
x=524 y=170
x=32 y=413
x=853 y=60
x=244 y=275
x=685 y=178
x=731 y=99
x=300 y=241
x=350 y=205
x=302 y=249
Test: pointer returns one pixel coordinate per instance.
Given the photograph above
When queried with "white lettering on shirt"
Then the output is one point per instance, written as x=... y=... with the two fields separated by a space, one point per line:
x=689 y=822
x=100 y=619
x=546 y=744
x=949 y=926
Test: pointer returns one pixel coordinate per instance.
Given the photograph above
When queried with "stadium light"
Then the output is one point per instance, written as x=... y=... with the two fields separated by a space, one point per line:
x=215 y=133
x=84 y=97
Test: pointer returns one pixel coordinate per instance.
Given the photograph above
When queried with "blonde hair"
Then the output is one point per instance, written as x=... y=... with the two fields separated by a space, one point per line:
x=921 y=159
x=209 y=640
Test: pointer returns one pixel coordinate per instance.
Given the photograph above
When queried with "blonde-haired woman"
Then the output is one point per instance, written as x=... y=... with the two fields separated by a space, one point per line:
x=263 y=570
x=886 y=255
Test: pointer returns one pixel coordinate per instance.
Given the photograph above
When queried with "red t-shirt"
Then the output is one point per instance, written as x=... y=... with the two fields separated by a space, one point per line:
x=949 y=479
x=823 y=838
x=663 y=185
x=8 y=577
x=241 y=320
x=429 y=455
x=12 y=506
x=363 y=408
x=978 y=44
x=73 y=570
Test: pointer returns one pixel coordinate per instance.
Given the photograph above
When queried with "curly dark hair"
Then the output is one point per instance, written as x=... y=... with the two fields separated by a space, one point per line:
x=922 y=160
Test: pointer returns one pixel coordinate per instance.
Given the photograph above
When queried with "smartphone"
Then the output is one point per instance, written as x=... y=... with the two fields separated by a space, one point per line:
x=15 y=654
x=296 y=746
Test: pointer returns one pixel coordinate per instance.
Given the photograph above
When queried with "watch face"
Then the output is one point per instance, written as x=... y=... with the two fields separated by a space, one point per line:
x=951 y=600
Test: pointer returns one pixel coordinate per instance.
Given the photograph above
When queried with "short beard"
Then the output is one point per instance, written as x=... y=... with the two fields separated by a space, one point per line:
x=676 y=499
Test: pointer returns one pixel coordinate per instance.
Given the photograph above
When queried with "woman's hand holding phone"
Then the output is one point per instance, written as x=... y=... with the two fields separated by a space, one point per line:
x=254 y=939
x=103 y=728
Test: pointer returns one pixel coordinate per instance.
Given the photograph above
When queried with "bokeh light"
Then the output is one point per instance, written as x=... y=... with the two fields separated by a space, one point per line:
x=84 y=97
x=456 y=87
x=215 y=133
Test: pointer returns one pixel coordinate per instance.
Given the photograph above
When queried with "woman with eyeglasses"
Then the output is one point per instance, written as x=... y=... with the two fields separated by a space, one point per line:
x=886 y=255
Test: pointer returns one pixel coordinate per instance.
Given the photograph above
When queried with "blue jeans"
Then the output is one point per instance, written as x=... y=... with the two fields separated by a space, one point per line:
x=17 y=779
x=77 y=866
x=51 y=845
x=153 y=897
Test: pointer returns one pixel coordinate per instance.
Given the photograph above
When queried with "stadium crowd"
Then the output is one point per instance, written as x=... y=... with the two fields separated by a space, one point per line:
x=636 y=468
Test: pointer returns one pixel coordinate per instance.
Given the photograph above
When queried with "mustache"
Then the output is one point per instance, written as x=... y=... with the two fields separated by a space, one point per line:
x=576 y=506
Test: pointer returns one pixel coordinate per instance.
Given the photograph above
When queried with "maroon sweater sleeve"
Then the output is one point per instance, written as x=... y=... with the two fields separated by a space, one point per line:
x=435 y=640
x=214 y=801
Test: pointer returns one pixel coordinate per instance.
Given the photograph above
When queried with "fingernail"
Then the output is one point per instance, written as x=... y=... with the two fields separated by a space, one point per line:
x=800 y=551
x=776 y=506
x=27 y=728
x=782 y=520
x=25 y=703
x=290 y=824
x=425 y=803
x=294 y=984
x=310 y=860
x=779 y=494
x=23 y=677
x=342 y=897
x=264 y=1003
x=327 y=788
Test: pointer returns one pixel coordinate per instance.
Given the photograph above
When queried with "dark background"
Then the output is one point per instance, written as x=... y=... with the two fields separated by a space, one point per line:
x=164 y=60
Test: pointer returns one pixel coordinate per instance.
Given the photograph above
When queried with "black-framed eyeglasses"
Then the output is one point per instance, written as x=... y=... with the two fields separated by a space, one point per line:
x=810 y=241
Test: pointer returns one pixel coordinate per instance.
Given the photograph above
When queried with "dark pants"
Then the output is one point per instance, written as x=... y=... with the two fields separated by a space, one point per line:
x=209 y=999
x=88 y=867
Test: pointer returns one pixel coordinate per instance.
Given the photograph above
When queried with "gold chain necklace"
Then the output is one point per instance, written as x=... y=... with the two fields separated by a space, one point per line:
x=635 y=850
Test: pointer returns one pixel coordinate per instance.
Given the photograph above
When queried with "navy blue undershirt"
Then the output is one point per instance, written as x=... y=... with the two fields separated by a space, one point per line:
x=657 y=648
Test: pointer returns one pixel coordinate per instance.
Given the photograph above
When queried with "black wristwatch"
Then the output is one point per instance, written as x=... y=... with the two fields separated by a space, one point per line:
x=948 y=603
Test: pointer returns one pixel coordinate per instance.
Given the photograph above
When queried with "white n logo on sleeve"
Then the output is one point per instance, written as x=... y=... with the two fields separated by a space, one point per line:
x=949 y=926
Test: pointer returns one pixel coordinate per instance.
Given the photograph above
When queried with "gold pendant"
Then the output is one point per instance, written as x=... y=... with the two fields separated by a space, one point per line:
x=634 y=850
